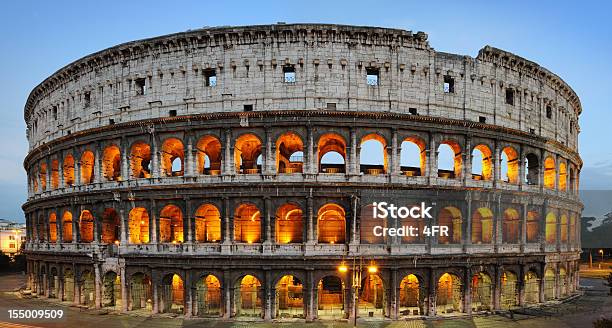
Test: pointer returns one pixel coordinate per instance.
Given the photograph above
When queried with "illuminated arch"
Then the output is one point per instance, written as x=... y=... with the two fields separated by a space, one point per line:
x=411 y=298
x=331 y=224
x=482 y=292
x=331 y=153
x=289 y=224
x=375 y=147
x=207 y=224
x=482 y=163
x=87 y=167
x=413 y=156
x=551 y=228
x=549 y=173
x=42 y=175
x=511 y=228
x=171 y=224
x=68 y=170
x=53 y=227
x=140 y=160
x=139 y=225
x=208 y=295
x=209 y=155
x=289 y=297
x=111 y=224
x=449 y=159
x=246 y=151
x=172 y=295
x=509 y=290
x=247 y=224
x=172 y=157
x=510 y=165
x=289 y=153
x=54 y=174
x=67 y=227
x=111 y=163
x=563 y=224
x=451 y=218
x=482 y=226
x=449 y=294
x=249 y=298
x=563 y=176
x=86 y=226
x=533 y=227
x=532 y=169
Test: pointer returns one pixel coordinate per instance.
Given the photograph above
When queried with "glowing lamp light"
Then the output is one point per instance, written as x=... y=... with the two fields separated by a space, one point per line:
x=116 y=242
x=372 y=269
x=342 y=268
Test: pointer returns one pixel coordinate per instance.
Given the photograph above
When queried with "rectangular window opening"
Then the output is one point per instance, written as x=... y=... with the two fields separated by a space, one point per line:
x=372 y=76
x=510 y=97
x=331 y=106
x=289 y=74
x=111 y=121
x=172 y=112
x=140 y=87
x=548 y=112
x=248 y=108
x=87 y=97
x=449 y=84
x=482 y=119
x=413 y=111
x=210 y=77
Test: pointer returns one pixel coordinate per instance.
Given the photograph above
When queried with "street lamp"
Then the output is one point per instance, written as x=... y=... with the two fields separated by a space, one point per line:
x=601 y=253
x=357 y=270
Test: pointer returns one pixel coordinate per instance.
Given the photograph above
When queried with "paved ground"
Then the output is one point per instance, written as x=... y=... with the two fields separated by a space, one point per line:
x=579 y=313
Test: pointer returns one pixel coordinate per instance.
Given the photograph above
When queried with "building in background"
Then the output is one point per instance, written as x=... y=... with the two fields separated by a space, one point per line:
x=12 y=235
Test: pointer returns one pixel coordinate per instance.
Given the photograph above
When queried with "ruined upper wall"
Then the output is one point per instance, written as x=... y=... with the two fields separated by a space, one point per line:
x=330 y=63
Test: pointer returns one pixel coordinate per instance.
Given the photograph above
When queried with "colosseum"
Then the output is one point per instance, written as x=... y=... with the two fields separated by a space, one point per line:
x=219 y=172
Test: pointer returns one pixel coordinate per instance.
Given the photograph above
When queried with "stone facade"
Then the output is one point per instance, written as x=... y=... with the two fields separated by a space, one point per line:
x=187 y=173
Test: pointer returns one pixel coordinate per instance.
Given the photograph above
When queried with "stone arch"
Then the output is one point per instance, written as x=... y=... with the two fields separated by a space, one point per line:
x=533 y=226
x=248 y=297
x=87 y=289
x=171 y=224
x=532 y=287
x=172 y=157
x=549 y=284
x=331 y=297
x=247 y=224
x=331 y=224
x=86 y=226
x=449 y=295
x=331 y=147
x=482 y=292
x=42 y=174
x=551 y=228
x=511 y=226
x=140 y=160
x=69 y=285
x=53 y=282
x=289 y=224
x=111 y=290
x=563 y=176
x=209 y=298
x=563 y=285
x=482 y=226
x=52 y=227
x=482 y=163
x=87 y=167
x=207 y=224
x=550 y=173
x=411 y=296
x=138 y=225
x=140 y=292
x=510 y=165
x=376 y=146
x=67 y=227
x=413 y=156
x=209 y=155
x=289 y=153
x=372 y=296
x=532 y=169
x=289 y=297
x=111 y=163
x=54 y=174
x=449 y=159
x=68 y=171
x=247 y=149
x=111 y=225
x=172 y=294
x=563 y=224
x=450 y=217
x=509 y=290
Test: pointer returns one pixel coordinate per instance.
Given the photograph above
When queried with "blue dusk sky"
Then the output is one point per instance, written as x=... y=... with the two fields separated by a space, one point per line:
x=572 y=39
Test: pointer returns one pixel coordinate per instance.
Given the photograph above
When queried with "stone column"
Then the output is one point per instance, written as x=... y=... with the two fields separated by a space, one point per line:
x=523 y=238
x=124 y=223
x=467 y=236
x=190 y=221
x=155 y=158
x=188 y=295
x=60 y=171
x=395 y=155
x=269 y=161
x=521 y=167
x=228 y=295
x=76 y=216
x=521 y=286
x=268 y=296
x=497 y=288
x=153 y=222
x=310 y=306
x=228 y=158
x=189 y=158
x=352 y=164
x=467 y=161
x=125 y=162
x=155 y=293
x=467 y=297
x=58 y=226
x=310 y=221
x=310 y=163
x=394 y=313
x=98 y=285
x=77 y=172
x=124 y=289
x=269 y=221
x=431 y=297
x=97 y=167
x=432 y=158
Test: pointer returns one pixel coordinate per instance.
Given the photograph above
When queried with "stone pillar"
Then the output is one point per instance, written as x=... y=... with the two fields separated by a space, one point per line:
x=124 y=289
x=189 y=158
x=310 y=300
x=77 y=172
x=153 y=222
x=521 y=286
x=497 y=288
x=96 y=212
x=467 y=161
x=268 y=222
x=188 y=294
x=310 y=160
x=60 y=171
x=76 y=216
x=524 y=214
x=155 y=158
x=124 y=223
x=431 y=297
x=352 y=164
x=98 y=285
x=467 y=297
x=125 y=161
x=395 y=292
x=228 y=224
x=467 y=236
x=268 y=296
x=190 y=221
x=521 y=167
x=269 y=161
x=310 y=221
x=97 y=167
x=58 y=226
x=228 y=162
x=60 y=285
x=497 y=164
x=228 y=295
x=432 y=158
x=395 y=150
x=155 y=294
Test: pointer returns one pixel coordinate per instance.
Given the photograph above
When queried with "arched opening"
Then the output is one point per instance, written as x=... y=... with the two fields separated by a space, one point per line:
x=509 y=165
x=572 y=229
x=68 y=170
x=532 y=288
x=330 y=298
x=550 y=173
x=289 y=298
x=111 y=290
x=87 y=167
x=331 y=224
x=207 y=224
x=372 y=297
x=449 y=297
x=86 y=226
x=532 y=169
x=509 y=290
x=249 y=297
x=208 y=293
x=450 y=217
x=482 y=164
x=42 y=229
x=171 y=224
x=572 y=183
x=533 y=227
x=209 y=155
x=289 y=153
x=140 y=160
x=563 y=290
x=367 y=223
x=35 y=181
x=563 y=176
x=67 y=227
x=52 y=227
x=54 y=174
x=246 y=151
x=247 y=224
x=289 y=224
x=110 y=226
x=331 y=152
x=482 y=226
x=511 y=229
x=111 y=163
x=563 y=228
x=172 y=294
x=172 y=157
x=411 y=298
x=139 y=225
x=551 y=228
x=482 y=292
x=141 y=292
x=373 y=155
x=449 y=160
x=419 y=223
x=42 y=175
x=413 y=157
x=549 y=284
x=68 y=286
x=87 y=289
